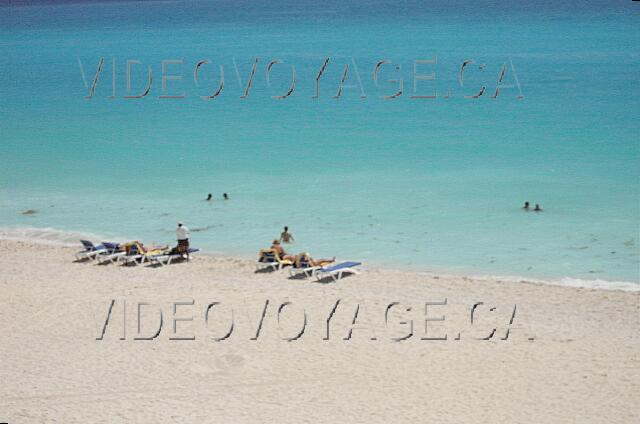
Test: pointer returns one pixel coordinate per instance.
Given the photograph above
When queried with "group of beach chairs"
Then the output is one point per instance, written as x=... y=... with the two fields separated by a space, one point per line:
x=303 y=266
x=132 y=253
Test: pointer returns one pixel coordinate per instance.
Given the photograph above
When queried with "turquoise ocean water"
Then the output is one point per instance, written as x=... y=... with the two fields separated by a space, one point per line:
x=423 y=184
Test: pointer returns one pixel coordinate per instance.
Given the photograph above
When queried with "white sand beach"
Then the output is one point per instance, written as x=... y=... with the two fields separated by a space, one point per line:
x=571 y=355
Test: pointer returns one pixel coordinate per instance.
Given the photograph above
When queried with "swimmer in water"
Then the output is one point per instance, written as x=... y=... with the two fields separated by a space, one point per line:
x=285 y=236
x=526 y=206
x=209 y=197
x=225 y=196
x=538 y=208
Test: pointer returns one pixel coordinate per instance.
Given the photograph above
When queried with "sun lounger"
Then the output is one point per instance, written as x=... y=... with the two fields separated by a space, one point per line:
x=336 y=271
x=135 y=257
x=93 y=251
x=269 y=258
x=90 y=250
x=112 y=258
x=114 y=252
x=109 y=249
x=303 y=267
x=167 y=258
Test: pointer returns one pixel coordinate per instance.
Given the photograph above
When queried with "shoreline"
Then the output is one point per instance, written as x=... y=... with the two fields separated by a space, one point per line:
x=71 y=239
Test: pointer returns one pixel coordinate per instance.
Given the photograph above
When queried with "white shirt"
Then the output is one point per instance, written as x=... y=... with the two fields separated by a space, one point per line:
x=182 y=233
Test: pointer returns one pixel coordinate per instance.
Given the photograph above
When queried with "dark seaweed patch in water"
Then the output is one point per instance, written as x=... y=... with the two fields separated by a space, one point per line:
x=201 y=229
x=29 y=212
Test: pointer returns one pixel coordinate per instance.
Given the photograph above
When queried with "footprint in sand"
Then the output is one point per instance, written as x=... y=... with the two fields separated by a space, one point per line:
x=220 y=365
x=226 y=363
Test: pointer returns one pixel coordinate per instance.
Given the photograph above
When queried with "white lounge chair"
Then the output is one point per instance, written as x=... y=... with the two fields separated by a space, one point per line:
x=269 y=258
x=136 y=257
x=110 y=249
x=338 y=270
x=303 y=267
x=111 y=257
x=91 y=251
x=167 y=258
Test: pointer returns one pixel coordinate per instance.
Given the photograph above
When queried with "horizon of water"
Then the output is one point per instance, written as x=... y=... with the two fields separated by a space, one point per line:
x=418 y=184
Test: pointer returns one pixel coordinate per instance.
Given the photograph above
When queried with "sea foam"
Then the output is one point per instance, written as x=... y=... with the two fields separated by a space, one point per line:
x=46 y=235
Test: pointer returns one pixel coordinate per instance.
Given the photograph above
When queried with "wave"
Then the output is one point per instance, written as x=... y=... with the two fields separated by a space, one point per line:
x=597 y=284
x=46 y=235
x=600 y=284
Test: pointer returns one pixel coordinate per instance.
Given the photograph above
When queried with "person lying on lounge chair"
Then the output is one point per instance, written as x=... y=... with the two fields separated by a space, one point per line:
x=304 y=259
x=142 y=249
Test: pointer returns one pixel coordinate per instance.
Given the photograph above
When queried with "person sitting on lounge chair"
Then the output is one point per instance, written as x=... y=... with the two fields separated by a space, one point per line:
x=280 y=251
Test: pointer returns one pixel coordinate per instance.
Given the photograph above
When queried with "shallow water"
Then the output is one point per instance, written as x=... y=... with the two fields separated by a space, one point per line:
x=425 y=184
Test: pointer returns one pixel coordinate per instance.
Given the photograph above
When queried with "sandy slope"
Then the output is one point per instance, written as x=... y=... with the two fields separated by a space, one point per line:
x=572 y=355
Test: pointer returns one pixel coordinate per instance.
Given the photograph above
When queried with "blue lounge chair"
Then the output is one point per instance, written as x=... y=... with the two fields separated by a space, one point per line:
x=336 y=271
x=112 y=254
x=167 y=258
x=110 y=247
x=90 y=250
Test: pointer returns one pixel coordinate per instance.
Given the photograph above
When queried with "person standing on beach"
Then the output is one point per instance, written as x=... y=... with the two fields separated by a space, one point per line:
x=182 y=234
x=285 y=237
